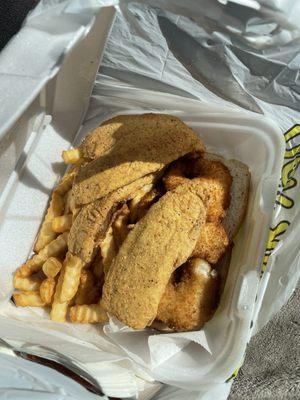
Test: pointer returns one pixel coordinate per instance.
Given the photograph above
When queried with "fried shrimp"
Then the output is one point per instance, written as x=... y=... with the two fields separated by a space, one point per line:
x=187 y=304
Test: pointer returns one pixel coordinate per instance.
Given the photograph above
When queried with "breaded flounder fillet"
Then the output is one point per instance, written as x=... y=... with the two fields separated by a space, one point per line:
x=160 y=242
x=137 y=145
x=125 y=128
x=93 y=220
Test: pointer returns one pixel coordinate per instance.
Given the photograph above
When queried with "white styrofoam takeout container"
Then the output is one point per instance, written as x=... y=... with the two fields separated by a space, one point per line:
x=256 y=141
x=52 y=121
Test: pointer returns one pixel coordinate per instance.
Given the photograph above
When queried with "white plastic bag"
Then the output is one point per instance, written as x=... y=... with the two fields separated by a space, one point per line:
x=207 y=62
x=22 y=379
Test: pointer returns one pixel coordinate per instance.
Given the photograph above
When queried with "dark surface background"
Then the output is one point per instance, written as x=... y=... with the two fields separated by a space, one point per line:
x=12 y=14
x=272 y=365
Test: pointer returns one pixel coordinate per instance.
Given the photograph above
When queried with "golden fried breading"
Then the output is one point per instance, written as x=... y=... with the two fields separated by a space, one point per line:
x=142 y=144
x=128 y=128
x=213 y=196
x=175 y=175
x=67 y=180
x=191 y=302
x=93 y=220
x=91 y=224
x=212 y=242
x=161 y=241
x=211 y=191
x=212 y=169
x=213 y=179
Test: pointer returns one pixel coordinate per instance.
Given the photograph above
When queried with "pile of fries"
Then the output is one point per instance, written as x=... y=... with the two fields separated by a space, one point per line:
x=52 y=277
x=59 y=280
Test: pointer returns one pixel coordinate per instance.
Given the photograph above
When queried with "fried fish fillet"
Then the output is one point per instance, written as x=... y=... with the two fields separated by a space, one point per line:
x=212 y=177
x=137 y=145
x=186 y=305
x=93 y=220
x=239 y=192
x=124 y=129
x=216 y=170
x=212 y=242
x=214 y=196
x=160 y=242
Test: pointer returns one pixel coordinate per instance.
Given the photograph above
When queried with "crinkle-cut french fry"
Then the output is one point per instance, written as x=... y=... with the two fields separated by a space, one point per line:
x=108 y=249
x=71 y=276
x=28 y=299
x=56 y=209
x=66 y=181
x=46 y=233
x=119 y=226
x=26 y=284
x=51 y=267
x=85 y=314
x=71 y=156
x=88 y=292
x=47 y=289
x=53 y=249
x=62 y=223
x=59 y=309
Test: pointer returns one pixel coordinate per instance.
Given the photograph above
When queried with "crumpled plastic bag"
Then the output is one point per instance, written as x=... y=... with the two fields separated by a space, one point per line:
x=20 y=379
x=219 y=54
x=226 y=53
